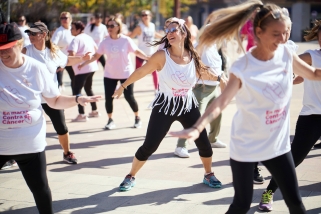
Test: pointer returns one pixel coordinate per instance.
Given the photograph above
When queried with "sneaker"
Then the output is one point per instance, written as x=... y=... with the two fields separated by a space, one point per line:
x=128 y=183
x=266 y=201
x=9 y=164
x=138 y=123
x=110 y=125
x=218 y=144
x=80 y=118
x=181 y=152
x=212 y=181
x=61 y=88
x=318 y=146
x=70 y=158
x=94 y=114
x=258 y=178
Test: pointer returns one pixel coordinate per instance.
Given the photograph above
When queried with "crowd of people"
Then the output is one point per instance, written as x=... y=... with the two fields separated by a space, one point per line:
x=191 y=87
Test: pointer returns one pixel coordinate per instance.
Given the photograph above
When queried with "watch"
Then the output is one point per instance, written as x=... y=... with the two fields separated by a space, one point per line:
x=76 y=98
x=218 y=78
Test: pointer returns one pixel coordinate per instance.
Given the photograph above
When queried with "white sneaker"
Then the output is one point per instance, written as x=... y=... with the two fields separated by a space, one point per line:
x=218 y=144
x=181 y=152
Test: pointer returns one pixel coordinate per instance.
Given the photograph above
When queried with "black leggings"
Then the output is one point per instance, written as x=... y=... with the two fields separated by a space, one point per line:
x=281 y=168
x=160 y=123
x=110 y=85
x=307 y=132
x=57 y=117
x=71 y=75
x=102 y=60
x=33 y=168
x=86 y=81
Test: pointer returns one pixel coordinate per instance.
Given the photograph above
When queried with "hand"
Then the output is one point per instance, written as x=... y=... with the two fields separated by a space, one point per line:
x=59 y=69
x=83 y=100
x=118 y=92
x=190 y=134
x=87 y=56
x=223 y=82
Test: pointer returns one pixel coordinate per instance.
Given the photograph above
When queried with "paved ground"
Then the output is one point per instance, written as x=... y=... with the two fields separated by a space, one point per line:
x=166 y=184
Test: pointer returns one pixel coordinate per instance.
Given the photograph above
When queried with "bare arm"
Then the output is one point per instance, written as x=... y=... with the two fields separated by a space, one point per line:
x=95 y=57
x=141 y=54
x=212 y=111
x=24 y=50
x=158 y=35
x=73 y=60
x=137 y=31
x=63 y=102
x=304 y=70
x=156 y=62
x=306 y=57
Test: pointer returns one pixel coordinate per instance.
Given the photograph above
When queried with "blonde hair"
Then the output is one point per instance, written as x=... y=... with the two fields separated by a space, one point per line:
x=118 y=21
x=51 y=46
x=168 y=21
x=20 y=43
x=233 y=19
x=66 y=13
x=312 y=34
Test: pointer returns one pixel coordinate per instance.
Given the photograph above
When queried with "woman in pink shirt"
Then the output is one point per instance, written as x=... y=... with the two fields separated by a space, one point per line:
x=118 y=67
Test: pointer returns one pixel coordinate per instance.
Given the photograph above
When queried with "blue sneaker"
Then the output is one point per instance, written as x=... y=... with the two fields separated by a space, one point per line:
x=128 y=183
x=212 y=181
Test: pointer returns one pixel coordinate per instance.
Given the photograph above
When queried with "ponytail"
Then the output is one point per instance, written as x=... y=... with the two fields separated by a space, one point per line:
x=312 y=34
x=51 y=46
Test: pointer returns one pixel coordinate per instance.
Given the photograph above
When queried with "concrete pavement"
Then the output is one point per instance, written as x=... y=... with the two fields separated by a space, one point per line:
x=166 y=184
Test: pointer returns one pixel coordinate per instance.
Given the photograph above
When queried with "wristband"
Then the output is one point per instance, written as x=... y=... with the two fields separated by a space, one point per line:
x=218 y=78
x=77 y=96
x=123 y=87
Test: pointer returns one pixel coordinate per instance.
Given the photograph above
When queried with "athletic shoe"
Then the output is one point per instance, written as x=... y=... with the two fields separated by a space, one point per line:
x=70 y=158
x=318 y=146
x=9 y=164
x=218 y=144
x=94 y=114
x=258 y=178
x=128 y=183
x=212 y=181
x=138 y=123
x=266 y=201
x=110 y=125
x=181 y=152
x=80 y=118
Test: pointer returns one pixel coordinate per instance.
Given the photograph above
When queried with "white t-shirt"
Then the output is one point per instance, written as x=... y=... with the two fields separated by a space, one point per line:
x=261 y=125
x=98 y=33
x=26 y=40
x=312 y=89
x=147 y=36
x=81 y=45
x=118 y=63
x=23 y=126
x=292 y=46
x=62 y=38
x=212 y=59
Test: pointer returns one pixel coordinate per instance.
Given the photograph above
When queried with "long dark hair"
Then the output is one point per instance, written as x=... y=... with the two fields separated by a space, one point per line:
x=312 y=34
x=200 y=67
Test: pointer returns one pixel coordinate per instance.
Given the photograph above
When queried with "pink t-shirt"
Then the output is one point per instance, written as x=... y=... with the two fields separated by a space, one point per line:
x=248 y=30
x=81 y=45
x=118 y=63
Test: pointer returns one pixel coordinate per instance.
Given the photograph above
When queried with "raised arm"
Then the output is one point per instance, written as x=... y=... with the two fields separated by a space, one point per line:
x=156 y=62
x=304 y=70
x=141 y=54
x=73 y=60
x=95 y=57
x=212 y=111
x=137 y=31
x=63 y=102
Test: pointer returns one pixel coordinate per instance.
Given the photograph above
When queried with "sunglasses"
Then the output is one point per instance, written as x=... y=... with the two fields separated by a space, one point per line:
x=111 y=26
x=144 y=15
x=21 y=20
x=276 y=14
x=32 y=33
x=171 y=30
x=64 y=18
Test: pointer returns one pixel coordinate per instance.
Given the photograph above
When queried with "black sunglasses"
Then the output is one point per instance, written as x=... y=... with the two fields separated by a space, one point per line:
x=64 y=18
x=171 y=30
x=21 y=20
x=32 y=33
x=111 y=26
x=144 y=15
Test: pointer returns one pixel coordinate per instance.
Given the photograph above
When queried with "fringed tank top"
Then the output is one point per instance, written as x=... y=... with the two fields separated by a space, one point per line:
x=175 y=85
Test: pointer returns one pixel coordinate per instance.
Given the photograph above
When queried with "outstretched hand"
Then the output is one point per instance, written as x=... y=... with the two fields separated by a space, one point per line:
x=87 y=56
x=118 y=92
x=190 y=134
x=83 y=100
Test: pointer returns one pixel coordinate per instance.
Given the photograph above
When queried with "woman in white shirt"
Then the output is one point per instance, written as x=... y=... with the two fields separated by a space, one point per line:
x=98 y=32
x=179 y=67
x=261 y=82
x=307 y=131
x=62 y=38
x=24 y=81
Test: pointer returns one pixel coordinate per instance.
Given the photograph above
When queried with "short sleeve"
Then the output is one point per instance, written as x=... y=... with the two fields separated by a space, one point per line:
x=212 y=59
x=87 y=29
x=292 y=46
x=105 y=31
x=62 y=59
x=74 y=45
x=47 y=85
x=101 y=48
x=132 y=47
x=56 y=37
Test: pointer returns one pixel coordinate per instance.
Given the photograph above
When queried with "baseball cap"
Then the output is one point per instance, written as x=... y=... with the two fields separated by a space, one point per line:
x=9 y=35
x=37 y=27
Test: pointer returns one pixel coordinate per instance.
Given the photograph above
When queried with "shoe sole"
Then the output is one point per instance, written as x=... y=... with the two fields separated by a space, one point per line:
x=6 y=167
x=110 y=128
x=258 y=182
x=210 y=185
x=180 y=156
x=69 y=162
x=122 y=189
x=265 y=210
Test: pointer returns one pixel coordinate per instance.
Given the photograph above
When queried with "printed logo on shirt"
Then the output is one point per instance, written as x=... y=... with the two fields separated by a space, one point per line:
x=16 y=117
x=180 y=79
x=179 y=92
x=114 y=51
x=13 y=98
x=148 y=36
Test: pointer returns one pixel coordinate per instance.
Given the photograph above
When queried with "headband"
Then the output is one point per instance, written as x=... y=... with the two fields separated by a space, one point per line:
x=181 y=22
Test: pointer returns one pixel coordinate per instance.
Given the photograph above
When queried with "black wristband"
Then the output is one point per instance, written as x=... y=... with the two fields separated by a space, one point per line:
x=218 y=78
x=77 y=96
x=123 y=87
